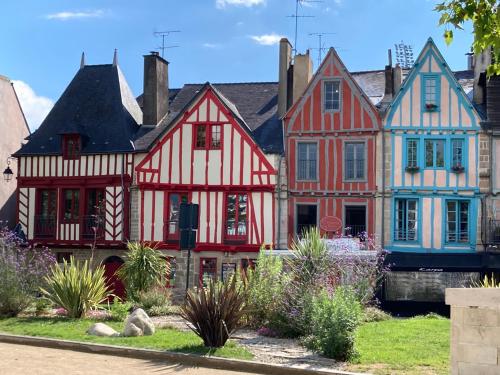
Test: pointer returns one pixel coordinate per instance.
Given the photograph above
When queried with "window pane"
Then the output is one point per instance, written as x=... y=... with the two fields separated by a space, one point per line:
x=307 y=161
x=464 y=222
x=174 y=209
x=451 y=221
x=201 y=136
x=411 y=153
x=71 y=204
x=439 y=144
x=429 y=153
x=216 y=129
x=332 y=95
x=242 y=215
x=457 y=152
x=231 y=215
x=354 y=161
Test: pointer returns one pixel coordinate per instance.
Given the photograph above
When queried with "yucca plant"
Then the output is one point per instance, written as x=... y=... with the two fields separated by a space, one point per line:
x=76 y=287
x=216 y=311
x=487 y=282
x=143 y=269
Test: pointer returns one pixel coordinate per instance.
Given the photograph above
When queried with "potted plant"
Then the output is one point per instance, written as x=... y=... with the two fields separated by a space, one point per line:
x=412 y=168
x=430 y=107
x=458 y=168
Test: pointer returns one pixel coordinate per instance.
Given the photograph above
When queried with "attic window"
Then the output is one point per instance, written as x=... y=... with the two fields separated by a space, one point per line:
x=71 y=146
x=207 y=137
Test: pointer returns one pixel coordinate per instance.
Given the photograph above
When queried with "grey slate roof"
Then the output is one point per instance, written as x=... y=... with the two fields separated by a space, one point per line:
x=254 y=103
x=98 y=104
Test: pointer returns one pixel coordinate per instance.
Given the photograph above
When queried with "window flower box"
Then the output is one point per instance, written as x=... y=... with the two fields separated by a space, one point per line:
x=431 y=107
x=458 y=168
x=412 y=168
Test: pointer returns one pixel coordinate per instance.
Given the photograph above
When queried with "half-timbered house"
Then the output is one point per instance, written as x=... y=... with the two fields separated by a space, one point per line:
x=75 y=171
x=432 y=214
x=219 y=147
x=330 y=137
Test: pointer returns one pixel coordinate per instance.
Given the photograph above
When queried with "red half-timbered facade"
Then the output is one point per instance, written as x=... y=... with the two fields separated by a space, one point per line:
x=74 y=173
x=207 y=155
x=330 y=145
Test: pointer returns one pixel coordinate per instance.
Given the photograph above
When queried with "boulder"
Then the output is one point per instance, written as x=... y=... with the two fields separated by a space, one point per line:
x=138 y=323
x=101 y=329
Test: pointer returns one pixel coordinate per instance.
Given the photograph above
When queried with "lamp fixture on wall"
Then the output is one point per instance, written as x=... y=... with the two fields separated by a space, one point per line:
x=7 y=173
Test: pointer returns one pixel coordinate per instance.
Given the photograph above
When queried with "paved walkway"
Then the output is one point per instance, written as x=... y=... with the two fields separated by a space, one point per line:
x=20 y=359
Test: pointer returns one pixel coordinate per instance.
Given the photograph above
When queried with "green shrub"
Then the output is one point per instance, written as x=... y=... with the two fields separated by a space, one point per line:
x=144 y=268
x=119 y=310
x=156 y=301
x=265 y=286
x=334 y=320
x=216 y=311
x=373 y=314
x=75 y=287
x=13 y=297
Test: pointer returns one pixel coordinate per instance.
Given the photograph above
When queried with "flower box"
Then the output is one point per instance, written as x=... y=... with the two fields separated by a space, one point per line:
x=458 y=168
x=429 y=107
x=412 y=168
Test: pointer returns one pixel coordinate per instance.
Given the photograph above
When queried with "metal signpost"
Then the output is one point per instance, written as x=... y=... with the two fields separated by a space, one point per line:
x=188 y=224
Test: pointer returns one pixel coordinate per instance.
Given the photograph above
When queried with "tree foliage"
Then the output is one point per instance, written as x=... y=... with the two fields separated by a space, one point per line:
x=485 y=18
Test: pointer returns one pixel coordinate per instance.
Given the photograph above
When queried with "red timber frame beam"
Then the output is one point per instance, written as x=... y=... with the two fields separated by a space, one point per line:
x=62 y=182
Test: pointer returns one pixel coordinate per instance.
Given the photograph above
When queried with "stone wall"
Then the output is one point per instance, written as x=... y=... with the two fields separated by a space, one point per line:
x=475 y=330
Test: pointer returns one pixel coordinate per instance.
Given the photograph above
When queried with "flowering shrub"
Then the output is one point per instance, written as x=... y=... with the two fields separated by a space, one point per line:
x=22 y=272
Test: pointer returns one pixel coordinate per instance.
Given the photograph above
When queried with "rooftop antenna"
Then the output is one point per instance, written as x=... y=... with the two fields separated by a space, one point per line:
x=321 y=46
x=163 y=35
x=82 y=60
x=297 y=16
x=404 y=55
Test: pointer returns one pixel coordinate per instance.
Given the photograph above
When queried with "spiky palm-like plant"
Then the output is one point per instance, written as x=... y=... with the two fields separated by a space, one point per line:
x=143 y=269
x=216 y=311
x=76 y=287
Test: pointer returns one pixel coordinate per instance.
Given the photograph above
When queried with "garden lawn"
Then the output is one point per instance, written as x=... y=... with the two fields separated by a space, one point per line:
x=74 y=329
x=413 y=346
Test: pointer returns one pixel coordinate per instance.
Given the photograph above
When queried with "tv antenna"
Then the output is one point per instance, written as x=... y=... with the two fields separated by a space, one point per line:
x=321 y=46
x=163 y=35
x=297 y=16
x=404 y=55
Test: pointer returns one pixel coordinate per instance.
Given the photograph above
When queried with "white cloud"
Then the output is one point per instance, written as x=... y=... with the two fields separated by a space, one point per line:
x=211 y=45
x=35 y=107
x=65 y=16
x=220 y=4
x=267 y=39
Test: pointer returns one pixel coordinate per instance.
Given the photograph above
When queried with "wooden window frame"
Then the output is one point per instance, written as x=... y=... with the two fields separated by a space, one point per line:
x=458 y=221
x=173 y=237
x=200 y=278
x=355 y=160
x=434 y=142
x=405 y=231
x=323 y=96
x=209 y=131
x=75 y=155
x=235 y=238
x=63 y=206
x=308 y=176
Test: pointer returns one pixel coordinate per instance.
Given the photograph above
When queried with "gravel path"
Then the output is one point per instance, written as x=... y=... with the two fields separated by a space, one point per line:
x=265 y=349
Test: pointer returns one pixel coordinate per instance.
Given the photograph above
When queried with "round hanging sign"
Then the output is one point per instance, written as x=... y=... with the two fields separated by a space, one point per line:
x=330 y=224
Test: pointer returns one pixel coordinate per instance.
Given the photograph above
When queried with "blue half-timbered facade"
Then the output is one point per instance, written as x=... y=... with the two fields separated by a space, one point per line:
x=434 y=180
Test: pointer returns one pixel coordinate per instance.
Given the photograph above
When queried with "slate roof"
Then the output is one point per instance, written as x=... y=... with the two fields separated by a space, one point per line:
x=254 y=103
x=98 y=104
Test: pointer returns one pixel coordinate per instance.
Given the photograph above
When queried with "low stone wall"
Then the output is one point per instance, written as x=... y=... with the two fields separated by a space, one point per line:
x=475 y=330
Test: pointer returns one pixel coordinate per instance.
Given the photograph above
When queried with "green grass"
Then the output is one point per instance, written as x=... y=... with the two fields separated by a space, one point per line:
x=74 y=329
x=418 y=345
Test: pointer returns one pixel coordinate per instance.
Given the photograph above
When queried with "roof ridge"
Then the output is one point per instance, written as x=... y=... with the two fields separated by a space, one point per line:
x=234 y=83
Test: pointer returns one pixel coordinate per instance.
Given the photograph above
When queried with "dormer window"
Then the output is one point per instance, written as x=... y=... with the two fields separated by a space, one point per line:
x=71 y=146
x=430 y=95
x=207 y=137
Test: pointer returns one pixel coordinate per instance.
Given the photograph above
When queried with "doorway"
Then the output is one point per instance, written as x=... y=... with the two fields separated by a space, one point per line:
x=114 y=283
x=355 y=221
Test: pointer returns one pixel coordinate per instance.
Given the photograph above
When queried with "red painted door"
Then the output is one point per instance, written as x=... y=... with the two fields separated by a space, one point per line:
x=117 y=287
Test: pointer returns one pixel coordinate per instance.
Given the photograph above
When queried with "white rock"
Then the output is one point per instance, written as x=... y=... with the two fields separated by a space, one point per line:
x=138 y=323
x=101 y=329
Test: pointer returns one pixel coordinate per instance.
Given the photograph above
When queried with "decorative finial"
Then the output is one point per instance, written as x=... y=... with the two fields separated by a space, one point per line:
x=115 y=58
x=82 y=61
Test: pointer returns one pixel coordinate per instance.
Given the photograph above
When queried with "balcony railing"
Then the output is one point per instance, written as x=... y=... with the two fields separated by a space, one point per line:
x=45 y=226
x=493 y=233
x=93 y=227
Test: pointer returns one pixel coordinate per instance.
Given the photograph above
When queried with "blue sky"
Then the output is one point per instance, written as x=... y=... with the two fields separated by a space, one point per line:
x=220 y=40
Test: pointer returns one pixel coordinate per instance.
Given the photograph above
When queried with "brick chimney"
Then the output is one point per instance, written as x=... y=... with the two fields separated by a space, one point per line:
x=155 y=95
x=302 y=74
x=481 y=62
x=285 y=81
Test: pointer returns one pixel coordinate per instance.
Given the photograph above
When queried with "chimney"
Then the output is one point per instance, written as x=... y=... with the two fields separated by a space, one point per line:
x=389 y=80
x=302 y=73
x=284 y=82
x=481 y=62
x=155 y=95
x=397 y=78
x=470 y=60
